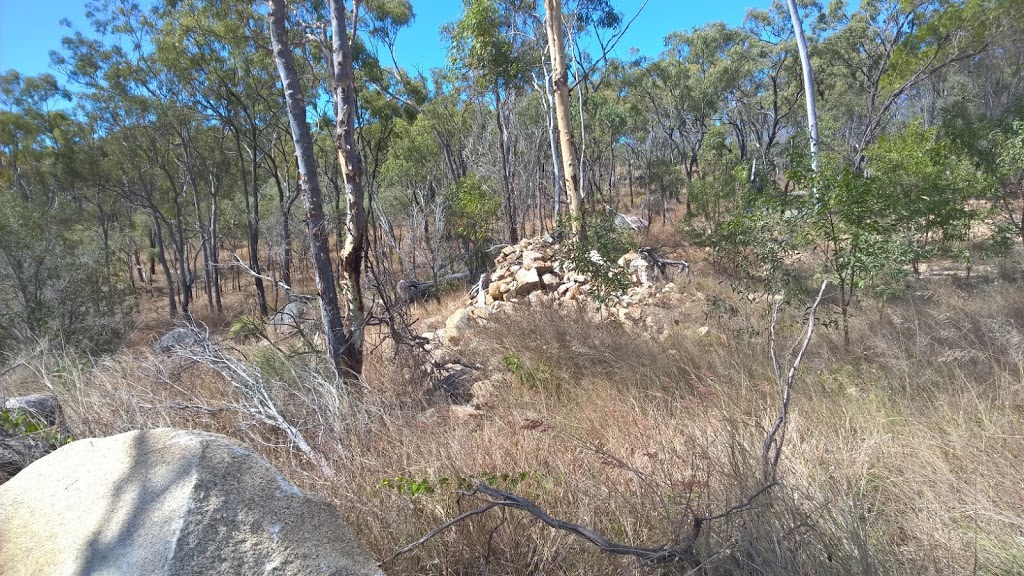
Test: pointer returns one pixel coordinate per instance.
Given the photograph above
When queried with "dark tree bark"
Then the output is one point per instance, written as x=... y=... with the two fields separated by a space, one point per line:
x=158 y=238
x=506 y=176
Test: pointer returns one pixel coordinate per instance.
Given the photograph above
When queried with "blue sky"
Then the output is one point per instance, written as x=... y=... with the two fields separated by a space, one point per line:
x=29 y=29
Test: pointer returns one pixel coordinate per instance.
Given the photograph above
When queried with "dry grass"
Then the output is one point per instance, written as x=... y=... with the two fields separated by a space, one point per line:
x=904 y=454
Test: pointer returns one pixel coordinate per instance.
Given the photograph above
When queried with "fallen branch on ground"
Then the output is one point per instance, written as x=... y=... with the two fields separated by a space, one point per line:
x=662 y=264
x=684 y=553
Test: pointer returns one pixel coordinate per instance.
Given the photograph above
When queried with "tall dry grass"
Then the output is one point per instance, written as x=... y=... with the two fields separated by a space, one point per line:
x=904 y=453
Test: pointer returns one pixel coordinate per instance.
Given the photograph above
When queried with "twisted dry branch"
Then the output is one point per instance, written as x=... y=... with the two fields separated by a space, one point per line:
x=684 y=553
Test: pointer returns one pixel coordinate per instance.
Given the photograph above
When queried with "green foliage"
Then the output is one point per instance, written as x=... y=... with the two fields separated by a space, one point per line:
x=19 y=422
x=22 y=423
x=722 y=182
x=246 y=328
x=762 y=236
x=472 y=216
x=482 y=43
x=530 y=374
x=921 y=187
x=55 y=281
x=412 y=487
x=595 y=252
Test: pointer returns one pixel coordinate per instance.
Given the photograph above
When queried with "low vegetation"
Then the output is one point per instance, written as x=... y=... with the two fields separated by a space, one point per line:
x=903 y=455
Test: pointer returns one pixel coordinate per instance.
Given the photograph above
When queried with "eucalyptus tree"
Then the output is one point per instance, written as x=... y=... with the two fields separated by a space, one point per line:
x=491 y=45
x=771 y=87
x=808 y=79
x=560 y=86
x=216 y=51
x=885 y=49
x=334 y=330
x=60 y=230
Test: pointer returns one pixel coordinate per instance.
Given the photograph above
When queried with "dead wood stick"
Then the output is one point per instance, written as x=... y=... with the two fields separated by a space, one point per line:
x=287 y=289
x=441 y=528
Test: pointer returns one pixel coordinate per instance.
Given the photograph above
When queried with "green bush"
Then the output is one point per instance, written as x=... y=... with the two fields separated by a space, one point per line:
x=595 y=252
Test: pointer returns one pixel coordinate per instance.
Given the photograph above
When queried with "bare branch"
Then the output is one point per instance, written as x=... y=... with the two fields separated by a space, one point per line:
x=287 y=289
x=441 y=528
x=771 y=450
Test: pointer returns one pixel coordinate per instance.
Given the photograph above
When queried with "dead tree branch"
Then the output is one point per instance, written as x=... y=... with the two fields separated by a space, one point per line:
x=287 y=289
x=771 y=450
x=684 y=553
x=662 y=264
x=256 y=399
x=442 y=528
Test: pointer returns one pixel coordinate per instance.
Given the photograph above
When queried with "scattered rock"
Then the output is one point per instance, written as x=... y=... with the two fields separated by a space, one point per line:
x=293 y=315
x=464 y=412
x=168 y=502
x=530 y=256
x=43 y=408
x=527 y=281
x=179 y=338
x=529 y=271
x=483 y=393
x=456 y=324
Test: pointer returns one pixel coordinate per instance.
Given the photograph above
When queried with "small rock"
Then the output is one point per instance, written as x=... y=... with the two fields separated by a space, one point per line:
x=483 y=393
x=456 y=324
x=464 y=412
x=177 y=338
x=530 y=256
x=43 y=408
x=543 y=267
x=528 y=281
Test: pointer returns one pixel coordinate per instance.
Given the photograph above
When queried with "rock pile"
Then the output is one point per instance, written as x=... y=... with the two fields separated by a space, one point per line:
x=531 y=272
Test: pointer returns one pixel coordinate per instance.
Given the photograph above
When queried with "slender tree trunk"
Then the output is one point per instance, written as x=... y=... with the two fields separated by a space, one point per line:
x=334 y=330
x=559 y=81
x=186 y=275
x=805 y=63
x=252 y=220
x=161 y=254
x=510 y=203
x=214 y=247
x=556 y=160
x=150 y=257
x=343 y=83
x=138 y=267
x=204 y=239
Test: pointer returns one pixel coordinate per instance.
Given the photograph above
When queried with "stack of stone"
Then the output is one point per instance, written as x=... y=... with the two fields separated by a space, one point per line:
x=530 y=271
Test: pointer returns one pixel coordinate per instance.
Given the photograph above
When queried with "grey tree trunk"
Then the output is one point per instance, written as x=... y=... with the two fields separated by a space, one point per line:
x=161 y=254
x=296 y=106
x=559 y=81
x=344 y=94
x=510 y=200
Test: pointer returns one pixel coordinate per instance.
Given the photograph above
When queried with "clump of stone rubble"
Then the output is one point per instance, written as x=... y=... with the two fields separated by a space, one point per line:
x=531 y=272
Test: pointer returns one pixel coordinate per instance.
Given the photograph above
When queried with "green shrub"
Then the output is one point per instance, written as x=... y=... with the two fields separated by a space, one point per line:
x=595 y=253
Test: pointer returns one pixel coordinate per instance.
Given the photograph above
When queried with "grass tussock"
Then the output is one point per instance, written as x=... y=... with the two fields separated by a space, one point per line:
x=904 y=452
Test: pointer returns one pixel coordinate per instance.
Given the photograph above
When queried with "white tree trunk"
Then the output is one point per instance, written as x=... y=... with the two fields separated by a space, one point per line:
x=805 y=63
